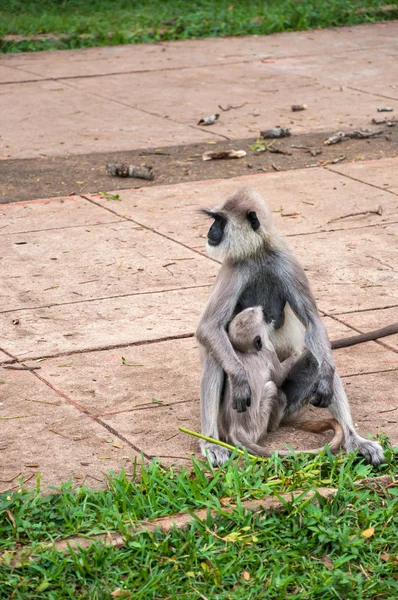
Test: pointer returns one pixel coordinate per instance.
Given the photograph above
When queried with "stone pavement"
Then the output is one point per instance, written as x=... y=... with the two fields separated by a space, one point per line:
x=102 y=296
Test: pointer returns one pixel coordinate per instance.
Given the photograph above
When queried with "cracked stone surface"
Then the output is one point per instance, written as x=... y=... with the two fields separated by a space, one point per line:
x=51 y=213
x=154 y=376
x=104 y=295
x=382 y=175
x=311 y=201
x=84 y=263
x=66 y=443
x=143 y=96
x=65 y=120
x=194 y=53
x=102 y=323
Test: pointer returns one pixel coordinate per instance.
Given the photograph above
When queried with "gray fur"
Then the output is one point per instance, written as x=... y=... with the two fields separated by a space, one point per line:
x=250 y=337
x=265 y=374
x=259 y=269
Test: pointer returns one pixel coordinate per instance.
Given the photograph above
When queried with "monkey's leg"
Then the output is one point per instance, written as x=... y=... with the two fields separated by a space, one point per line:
x=339 y=408
x=211 y=388
x=278 y=411
x=299 y=386
x=299 y=383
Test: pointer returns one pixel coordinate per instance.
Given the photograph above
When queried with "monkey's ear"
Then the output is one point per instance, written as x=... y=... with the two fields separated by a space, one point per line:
x=209 y=213
x=253 y=220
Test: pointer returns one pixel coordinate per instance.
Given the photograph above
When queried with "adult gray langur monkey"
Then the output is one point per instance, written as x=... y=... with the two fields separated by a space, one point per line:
x=258 y=269
x=250 y=337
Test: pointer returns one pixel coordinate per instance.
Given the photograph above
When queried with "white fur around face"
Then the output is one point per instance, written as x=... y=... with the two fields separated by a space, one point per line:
x=239 y=242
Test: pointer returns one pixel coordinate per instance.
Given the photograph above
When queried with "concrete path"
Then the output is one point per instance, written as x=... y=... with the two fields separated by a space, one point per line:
x=101 y=297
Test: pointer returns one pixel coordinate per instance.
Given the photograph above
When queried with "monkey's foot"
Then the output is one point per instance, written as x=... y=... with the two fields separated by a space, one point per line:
x=372 y=451
x=216 y=455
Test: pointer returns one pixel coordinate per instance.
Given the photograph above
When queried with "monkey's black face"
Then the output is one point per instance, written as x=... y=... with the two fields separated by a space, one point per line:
x=258 y=344
x=216 y=231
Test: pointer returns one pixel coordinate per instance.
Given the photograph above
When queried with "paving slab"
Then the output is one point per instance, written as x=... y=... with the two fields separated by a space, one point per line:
x=155 y=430
x=361 y=70
x=102 y=323
x=192 y=53
x=63 y=442
x=83 y=263
x=187 y=95
x=351 y=270
x=302 y=201
x=103 y=385
x=374 y=319
x=51 y=118
x=374 y=402
x=383 y=174
x=8 y=74
x=51 y=213
x=156 y=374
x=96 y=111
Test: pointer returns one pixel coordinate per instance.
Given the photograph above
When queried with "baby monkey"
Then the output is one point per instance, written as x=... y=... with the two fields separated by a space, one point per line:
x=250 y=336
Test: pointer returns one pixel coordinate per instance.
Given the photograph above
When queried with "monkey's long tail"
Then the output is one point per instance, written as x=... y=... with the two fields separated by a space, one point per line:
x=365 y=337
x=313 y=426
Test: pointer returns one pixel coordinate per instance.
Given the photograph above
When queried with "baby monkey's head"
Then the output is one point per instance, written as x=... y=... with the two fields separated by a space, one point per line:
x=248 y=331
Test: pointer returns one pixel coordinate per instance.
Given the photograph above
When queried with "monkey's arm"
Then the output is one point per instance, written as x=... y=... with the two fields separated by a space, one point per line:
x=212 y=334
x=302 y=302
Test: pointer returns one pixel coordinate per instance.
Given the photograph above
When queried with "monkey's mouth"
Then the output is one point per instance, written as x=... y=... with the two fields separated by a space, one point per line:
x=212 y=242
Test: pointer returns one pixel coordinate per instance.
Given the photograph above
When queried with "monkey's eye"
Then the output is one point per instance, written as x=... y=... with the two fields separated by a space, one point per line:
x=257 y=343
x=253 y=219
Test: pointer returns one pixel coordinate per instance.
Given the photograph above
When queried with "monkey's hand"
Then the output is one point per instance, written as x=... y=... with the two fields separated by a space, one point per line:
x=323 y=391
x=241 y=394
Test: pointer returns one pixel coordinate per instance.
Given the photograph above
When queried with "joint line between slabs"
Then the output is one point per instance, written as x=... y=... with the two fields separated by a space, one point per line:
x=359 y=310
x=183 y=336
x=143 y=407
x=103 y=298
x=147 y=112
x=12 y=357
x=335 y=170
x=149 y=229
x=377 y=341
x=368 y=373
x=183 y=67
x=292 y=235
x=371 y=93
x=85 y=412
x=120 y=220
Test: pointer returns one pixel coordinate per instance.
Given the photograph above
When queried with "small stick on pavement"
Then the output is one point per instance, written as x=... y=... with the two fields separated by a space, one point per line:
x=230 y=107
x=20 y=368
x=378 y=211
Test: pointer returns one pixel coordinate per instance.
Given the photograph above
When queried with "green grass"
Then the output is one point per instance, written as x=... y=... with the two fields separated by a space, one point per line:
x=310 y=550
x=105 y=22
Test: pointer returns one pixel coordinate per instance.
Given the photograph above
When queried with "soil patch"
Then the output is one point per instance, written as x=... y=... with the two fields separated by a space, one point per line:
x=46 y=177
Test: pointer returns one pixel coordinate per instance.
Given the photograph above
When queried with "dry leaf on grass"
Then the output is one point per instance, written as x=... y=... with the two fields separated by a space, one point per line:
x=367 y=533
